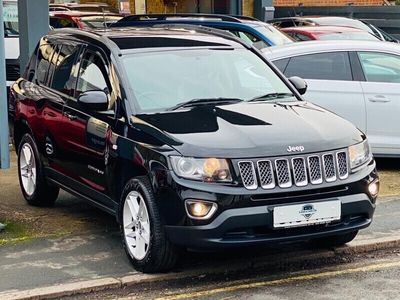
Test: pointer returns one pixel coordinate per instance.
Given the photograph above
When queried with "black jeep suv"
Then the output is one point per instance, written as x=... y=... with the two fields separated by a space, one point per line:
x=191 y=139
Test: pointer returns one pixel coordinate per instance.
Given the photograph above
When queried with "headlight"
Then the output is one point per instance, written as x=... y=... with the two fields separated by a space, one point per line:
x=359 y=154
x=205 y=169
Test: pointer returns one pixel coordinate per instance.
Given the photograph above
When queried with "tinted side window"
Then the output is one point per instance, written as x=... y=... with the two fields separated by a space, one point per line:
x=57 y=22
x=249 y=38
x=281 y=64
x=92 y=74
x=63 y=79
x=298 y=36
x=328 y=66
x=380 y=67
x=44 y=57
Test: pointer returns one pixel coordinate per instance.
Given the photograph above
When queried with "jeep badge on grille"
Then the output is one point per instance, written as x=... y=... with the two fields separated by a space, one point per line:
x=295 y=149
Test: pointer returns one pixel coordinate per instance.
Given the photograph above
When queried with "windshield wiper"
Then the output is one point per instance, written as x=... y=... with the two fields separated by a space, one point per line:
x=271 y=96
x=205 y=101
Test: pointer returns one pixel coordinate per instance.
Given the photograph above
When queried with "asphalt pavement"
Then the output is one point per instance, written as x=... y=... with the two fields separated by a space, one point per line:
x=99 y=254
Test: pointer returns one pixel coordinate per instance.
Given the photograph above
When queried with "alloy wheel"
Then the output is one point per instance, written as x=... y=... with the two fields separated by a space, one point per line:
x=136 y=225
x=27 y=166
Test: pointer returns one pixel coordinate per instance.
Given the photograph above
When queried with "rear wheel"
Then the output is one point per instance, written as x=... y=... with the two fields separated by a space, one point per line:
x=33 y=183
x=143 y=234
x=335 y=240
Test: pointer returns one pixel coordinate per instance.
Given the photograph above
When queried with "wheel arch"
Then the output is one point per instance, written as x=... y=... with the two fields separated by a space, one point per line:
x=21 y=127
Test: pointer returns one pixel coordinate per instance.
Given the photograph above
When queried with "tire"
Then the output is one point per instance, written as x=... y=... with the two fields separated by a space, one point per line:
x=33 y=183
x=141 y=221
x=335 y=240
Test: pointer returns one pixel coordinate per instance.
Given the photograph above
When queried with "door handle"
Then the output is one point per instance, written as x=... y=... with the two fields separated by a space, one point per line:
x=70 y=116
x=379 y=98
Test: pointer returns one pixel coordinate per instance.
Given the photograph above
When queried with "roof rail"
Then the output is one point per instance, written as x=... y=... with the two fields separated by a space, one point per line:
x=161 y=17
x=204 y=29
x=245 y=18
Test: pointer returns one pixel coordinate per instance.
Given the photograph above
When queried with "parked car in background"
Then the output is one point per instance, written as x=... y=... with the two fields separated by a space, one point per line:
x=82 y=20
x=307 y=33
x=253 y=31
x=88 y=7
x=358 y=80
x=332 y=21
x=11 y=40
x=190 y=138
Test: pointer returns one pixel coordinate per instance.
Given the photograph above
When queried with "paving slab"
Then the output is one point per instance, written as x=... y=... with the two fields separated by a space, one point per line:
x=97 y=255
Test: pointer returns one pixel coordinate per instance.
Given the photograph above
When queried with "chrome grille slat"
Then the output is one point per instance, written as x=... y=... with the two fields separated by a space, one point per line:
x=341 y=160
x=283 y=175
x=314 y=169
x=299 y=171
x=248 y=174
x=329 y=167
x=266 y=174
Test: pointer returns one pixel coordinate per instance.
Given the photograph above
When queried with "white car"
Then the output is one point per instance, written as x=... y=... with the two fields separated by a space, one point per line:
x=358 y=80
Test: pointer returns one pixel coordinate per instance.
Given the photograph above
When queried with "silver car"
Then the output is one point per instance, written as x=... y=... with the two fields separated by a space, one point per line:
x=358 y=80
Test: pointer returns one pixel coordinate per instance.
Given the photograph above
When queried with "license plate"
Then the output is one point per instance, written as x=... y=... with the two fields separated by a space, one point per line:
x=307 y=214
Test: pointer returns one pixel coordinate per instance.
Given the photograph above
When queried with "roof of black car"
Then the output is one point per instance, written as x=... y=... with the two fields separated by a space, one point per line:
x=155 y=37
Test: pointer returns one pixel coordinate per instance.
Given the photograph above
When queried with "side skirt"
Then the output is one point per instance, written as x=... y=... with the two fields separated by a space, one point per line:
x=82 y=191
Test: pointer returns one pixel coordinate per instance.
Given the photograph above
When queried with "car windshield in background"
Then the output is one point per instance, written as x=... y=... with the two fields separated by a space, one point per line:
x=10 y=16
x=275 y=35
x=365 y=36
x=161 y=80
x=99 y=21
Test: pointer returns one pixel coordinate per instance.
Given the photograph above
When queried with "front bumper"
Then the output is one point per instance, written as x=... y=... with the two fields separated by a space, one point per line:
x=246 y=217
x=254 y=225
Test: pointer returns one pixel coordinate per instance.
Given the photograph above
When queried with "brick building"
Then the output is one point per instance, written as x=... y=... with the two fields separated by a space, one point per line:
x=245 y=7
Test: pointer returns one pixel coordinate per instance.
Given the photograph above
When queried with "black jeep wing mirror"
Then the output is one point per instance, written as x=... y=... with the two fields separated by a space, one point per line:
x=93 y=100
x=299 y=83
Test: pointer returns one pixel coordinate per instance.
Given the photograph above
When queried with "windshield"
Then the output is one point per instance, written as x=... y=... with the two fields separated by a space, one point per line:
x=161 y=80
x=348 y=36
x=275 y=35
x=10 y=16
x=99 y=21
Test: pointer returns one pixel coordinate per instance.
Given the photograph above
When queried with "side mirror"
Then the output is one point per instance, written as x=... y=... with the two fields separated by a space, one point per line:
x=299 y=83
x=93 y=100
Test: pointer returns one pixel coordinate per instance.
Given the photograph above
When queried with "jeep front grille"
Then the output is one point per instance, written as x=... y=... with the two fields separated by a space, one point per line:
x=298 y=170
x=248 y=174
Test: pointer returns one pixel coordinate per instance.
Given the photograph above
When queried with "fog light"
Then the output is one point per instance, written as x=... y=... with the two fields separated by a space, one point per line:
x=199 y=209
x=373 y=188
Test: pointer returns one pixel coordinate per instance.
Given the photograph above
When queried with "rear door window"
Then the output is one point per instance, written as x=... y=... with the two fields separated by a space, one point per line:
x=380 y=67
x=62 y=67
x=45 y=55
x=324 y=66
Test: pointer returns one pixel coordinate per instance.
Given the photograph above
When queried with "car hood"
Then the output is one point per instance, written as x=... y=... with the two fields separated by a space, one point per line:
x=244 y=130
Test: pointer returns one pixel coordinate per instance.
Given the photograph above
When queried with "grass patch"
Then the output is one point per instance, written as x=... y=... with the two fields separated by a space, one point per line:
x=14 y=232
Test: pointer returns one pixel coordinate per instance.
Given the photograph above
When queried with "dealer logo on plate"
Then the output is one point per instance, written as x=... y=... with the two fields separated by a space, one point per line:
x=307 y=211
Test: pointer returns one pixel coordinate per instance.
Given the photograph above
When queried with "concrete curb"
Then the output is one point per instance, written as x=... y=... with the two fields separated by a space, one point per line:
x=84 y=287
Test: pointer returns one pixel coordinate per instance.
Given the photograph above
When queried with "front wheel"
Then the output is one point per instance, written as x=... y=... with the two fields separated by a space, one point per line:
x=335 y=240
x=143 y=234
